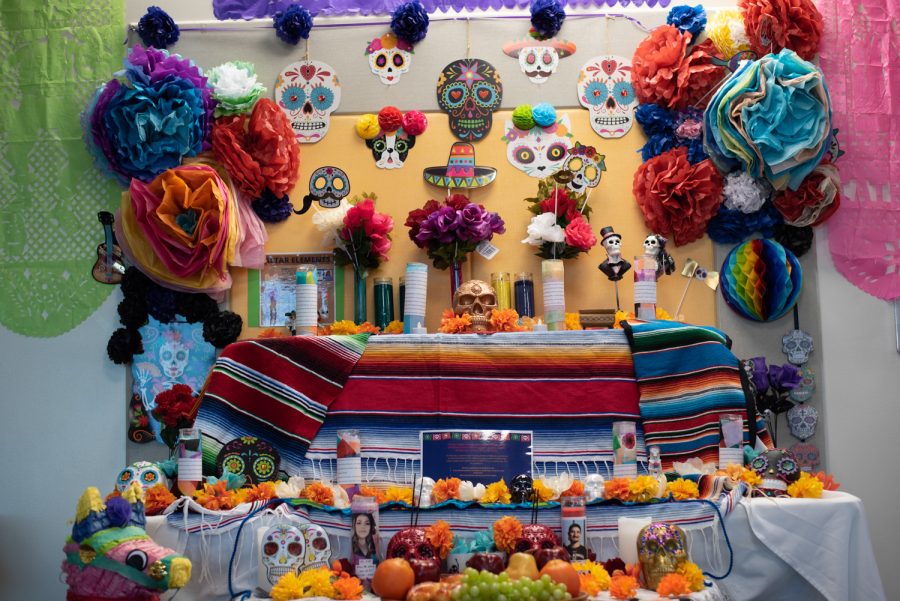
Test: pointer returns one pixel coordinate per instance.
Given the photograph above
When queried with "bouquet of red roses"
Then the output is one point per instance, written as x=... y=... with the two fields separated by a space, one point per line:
x=560 y=226
x=174 y=410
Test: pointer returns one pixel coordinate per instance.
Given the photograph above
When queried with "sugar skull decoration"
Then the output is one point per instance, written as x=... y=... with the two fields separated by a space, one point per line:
x=290 y=546
x=389 y=58
x=539 y=151
x=604 y=88
x=144 y=473
x=802 y=420
x=807 y=454
x=422 y=489
x=586 y=166
x=614 y=267
x=308 y=92
x=807 y=386
x=391 y=134
x=778 y=468
x=255 y=459
x=521 y=488
x=539 y=59
x=469 y=90
x=478 y=299
x=662 y=549
x=110 y=556
x=411 y=543
x=327 y=185
x=797 y=345
x=536 y=537
x=655 y=247
x=594 y=487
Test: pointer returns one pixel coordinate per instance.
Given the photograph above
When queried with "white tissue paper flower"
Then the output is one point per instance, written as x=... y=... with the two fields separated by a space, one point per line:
x=469 y=491
x=235 y=87
x=290 y=489
x=693 y=466
x=543 y=228
x=558 y=484
x=331 y=221
x=341 y=499
x=744 y=193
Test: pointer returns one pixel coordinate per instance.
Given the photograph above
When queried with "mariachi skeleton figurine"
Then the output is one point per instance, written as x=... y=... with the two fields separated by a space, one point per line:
x=655 y=248
x=614 y=267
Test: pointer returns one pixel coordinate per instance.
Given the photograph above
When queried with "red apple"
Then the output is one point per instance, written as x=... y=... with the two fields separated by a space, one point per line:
x=491 y=562
x=426 y=570
x=542 y=556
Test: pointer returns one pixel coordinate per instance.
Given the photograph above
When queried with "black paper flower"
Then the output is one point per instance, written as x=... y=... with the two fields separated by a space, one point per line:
x=161 y=303
x=157 y=29
x=223 y=329
x=410 y=22
x=133 y=312
x=135 y=283
x=798 y=240
x=293 y=23
x=123 y=345
x=271 y=208
x=196 y=307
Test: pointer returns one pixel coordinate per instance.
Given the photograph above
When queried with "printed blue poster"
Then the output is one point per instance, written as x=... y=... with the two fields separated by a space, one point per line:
x=480 y=456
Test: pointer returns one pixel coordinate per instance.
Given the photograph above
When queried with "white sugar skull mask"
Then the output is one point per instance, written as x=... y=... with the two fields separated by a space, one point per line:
x=389 y=58
x=797 y=345
x=308 y=92
x=282 y=550
x=144 y=473
x=538 y=59
x=604 y=88
x=540 y=151
x=802 y=420
x=173 y=358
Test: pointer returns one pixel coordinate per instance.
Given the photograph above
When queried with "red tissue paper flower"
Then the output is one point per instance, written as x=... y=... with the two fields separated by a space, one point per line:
x=579 y=234
x=668 y=71
x=174 y=407
x=560 y=203
x=676 y=197
x=258 y=152
x=817 y=198
x=390 y=119
x=775 y=24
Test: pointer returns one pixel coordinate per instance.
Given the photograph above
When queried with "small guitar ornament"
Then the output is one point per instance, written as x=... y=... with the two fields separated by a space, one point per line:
x=110 y=266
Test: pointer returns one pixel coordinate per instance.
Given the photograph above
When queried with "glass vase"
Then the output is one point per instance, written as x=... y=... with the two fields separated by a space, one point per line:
x=359 y=297
x=455 y=278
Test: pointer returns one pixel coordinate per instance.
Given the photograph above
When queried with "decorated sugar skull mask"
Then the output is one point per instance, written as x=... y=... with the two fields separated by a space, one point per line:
x=797 y=345
x=144 y=473
x=478 y=299
x=469 y=91
x=802 y=419
x=539 y=151
x=807 y=455
x=604 y=88
x=804 y=391
x=778 y=468
x=538 y=59
x=411 y=543
x=254 y=458
x=173 y=358
x=318 y=547
x=391 y=149
x=389 y=58
x=308 y=92
x=662 y=549
x=586 y=166
x=327 y=185
x=520 y=488
x=282 y=551
x=535 y=537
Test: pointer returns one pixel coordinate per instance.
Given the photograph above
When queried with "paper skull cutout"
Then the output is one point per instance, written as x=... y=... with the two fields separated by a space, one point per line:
x=328 y=186
x=254 y=458
x=144 y=473
x=536 y=537
x=539 y=151
x=586 y=166
x=469 y=90
x=282 y=550
x=389 y=58
x=778 y=468
x=804 y=391
x=797 y=345
x=662 y=549
x=308 y=92
x=807 y=455
x=538 y=59
x=478 y=299
x=604 y=88
x=802 y=419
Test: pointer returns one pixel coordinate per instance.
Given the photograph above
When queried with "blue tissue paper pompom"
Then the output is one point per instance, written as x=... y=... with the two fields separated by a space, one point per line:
x=654 y=119
x=733 y=227
x=691 y=19
x=293 y=24
x=410 y=22
x=656 y=145
x=547 y=17
x=543 y=114
x=156 y=28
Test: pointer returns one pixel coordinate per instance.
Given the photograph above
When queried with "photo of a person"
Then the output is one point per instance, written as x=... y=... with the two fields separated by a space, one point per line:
x=575 y=542
x=364 y=532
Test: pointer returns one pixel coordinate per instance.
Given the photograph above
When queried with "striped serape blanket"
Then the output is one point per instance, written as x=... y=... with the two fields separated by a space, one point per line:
x=688 y=378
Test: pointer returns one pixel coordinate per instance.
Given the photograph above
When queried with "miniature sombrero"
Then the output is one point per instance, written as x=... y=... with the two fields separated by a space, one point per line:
x=461 y=170
x=563 y=47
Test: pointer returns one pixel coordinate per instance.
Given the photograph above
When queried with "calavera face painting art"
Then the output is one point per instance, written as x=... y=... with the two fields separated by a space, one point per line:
x=389 y=58
x=540 y=151
x=604 y=88
x=308 y=92
x=539 y=59
x=469 y=91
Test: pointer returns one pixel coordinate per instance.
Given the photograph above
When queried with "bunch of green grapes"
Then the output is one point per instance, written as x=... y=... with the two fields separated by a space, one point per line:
x=485 y=586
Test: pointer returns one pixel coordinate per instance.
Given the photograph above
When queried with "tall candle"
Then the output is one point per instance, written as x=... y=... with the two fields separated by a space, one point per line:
x=524 y=290
x=574 y=527
x=553 y=279
x=645 y=288
x=500 y=283
x=628 y=535
x=384 y=301
x=415 y=300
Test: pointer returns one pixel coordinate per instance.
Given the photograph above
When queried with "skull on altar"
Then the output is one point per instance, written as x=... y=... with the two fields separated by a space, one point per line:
x=411 y=543
x=536 y=537
x=283 y=550
x=778 y=468
x=662 y=549
x=478 y=299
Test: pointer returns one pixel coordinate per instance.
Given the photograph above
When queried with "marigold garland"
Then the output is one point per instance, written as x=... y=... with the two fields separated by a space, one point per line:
x=642 y=489
x=573 y=321
x=682 y=489
x=451 y=324
x=445 y=489
x=507 y=530
x=370 y=491
x=318 y=493
x=216 y=497
x=402 y=494
x=156 y=499
x=505 y=320
x=440 y=537
x=694 y=576
x=672 y=585
x=807 y=487
x=617 y=488
x=395 y=327
x=623 y=587
x=496 y=492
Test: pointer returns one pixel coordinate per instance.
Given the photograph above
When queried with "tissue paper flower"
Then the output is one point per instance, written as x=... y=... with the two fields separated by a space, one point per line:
x=216 y=497
x=733 y=227
x=623 y=587
x=807 y=487
x=540 y=491
x=395 y=327
x=543 y=228
x=440 y=537
x=693 y=466
x=558 y=483
x=682 y=489
x=579 y=235
x=691 y=19
x=776 y=24
x=726 y=30
x=507 y=531
x=318 y=493
x=496 y=492
x=772 y=119
x=673 y=584
x=593 y=573
x=744 y=193
x=642 y=489
x=157 y=499
x=573 y=321
x=692 y=574
x=654 y=119
x=827 y=481
x=290 y=489
x=576 y=490
x=504 y=320
x=264 y=491
x=403 y=494
x=676 y=197
x=617 y=488
x=817 y=198
x=445 y=489
x=669 y=71
x=235 y=88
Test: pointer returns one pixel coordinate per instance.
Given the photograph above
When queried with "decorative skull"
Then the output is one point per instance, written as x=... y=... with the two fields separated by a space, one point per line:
x=308 y=92
x=254 y=458
x=604 y=88
x=538 y=59
x=804 y=391
x=536 y=537
x=807 y=455
x=777 y=468
x=797 y=345
x=802 y=420
x=652 y=246
x=328 y=186
x=144 y=473
x=478 y=299
x=318 y=547
x=283 y=550
x=586 y=166
x=593 y=487
x=173 y=358
x=411 y=543
x=662 y=549
x=469 y=91
x=422 y=488
x=389 y=58
x=655 y=247
x=521 y=488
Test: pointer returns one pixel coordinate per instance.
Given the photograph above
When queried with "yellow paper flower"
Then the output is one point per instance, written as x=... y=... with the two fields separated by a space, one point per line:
x=682 y=489
x=543 y=493
x=399 y=493
x=451 y=324
x=505 y=320
x=642 y=489
x=595 y=573
x=496 y=492
x=440 y=537
x=617 y=488
x=445 y=489
x=343 y=327
x=807 y=487
x=395 y=327
x=693 y=575
x=623 y=587
x=507 y=530
x=750 y=477
x=573 y=321
x=673 y=584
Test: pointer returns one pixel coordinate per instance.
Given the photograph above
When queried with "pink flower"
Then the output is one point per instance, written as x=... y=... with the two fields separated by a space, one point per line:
x=381 y=244
x=380 y=224
x=580 y=235
x=358 y=215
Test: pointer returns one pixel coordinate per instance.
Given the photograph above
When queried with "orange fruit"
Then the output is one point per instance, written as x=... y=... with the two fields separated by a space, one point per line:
x=393 y=579
x=562 y=572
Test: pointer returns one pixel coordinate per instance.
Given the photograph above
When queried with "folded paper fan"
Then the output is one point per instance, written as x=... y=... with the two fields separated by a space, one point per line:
x=760 y=280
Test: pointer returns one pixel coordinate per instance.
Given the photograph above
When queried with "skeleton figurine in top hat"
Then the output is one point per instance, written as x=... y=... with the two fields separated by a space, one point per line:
x=614 y=267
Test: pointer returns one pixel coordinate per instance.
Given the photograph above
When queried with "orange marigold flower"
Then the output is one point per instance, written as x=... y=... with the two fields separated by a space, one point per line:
x=732 y=470
x=440 y=537
x=347 y=588
x=156 y=499
x=399 y=493
x=751 y=477
x=451 y=324
x=576 y=490
x=263 y=491
x=445 y=489
x=366 y=327
x=673 y=584
x=318 y=493
x=272 y=333
x=623 y=587
x=617 y=488
x=827 y=481
x=589 y=585
x=507 y=530
x=370 y=491
x=395 y=327
x=682 y=489
x=215 y=497
x=505 y=320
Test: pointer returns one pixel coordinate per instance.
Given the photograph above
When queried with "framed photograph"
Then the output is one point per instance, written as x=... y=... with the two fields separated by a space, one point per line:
x=480 y=456
x=276 y=288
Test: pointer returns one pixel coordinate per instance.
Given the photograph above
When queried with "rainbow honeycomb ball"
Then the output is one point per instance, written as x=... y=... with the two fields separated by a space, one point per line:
x=760 y=280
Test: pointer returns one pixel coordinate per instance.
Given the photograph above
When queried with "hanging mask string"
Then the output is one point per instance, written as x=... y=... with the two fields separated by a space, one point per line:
x=306 y=46
x=796 y=317
x=468 y=37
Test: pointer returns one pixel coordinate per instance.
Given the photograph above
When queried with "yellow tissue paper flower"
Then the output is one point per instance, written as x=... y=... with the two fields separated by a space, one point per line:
x=367 y=126
x=682 y=489
x=642 y=489
x=693 y=575
x=807 y=487
x=496 y=492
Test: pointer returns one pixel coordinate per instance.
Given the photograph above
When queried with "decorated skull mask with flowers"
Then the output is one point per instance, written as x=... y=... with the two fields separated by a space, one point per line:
x=604 y=88
x=389 y=58
x=778 y=468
